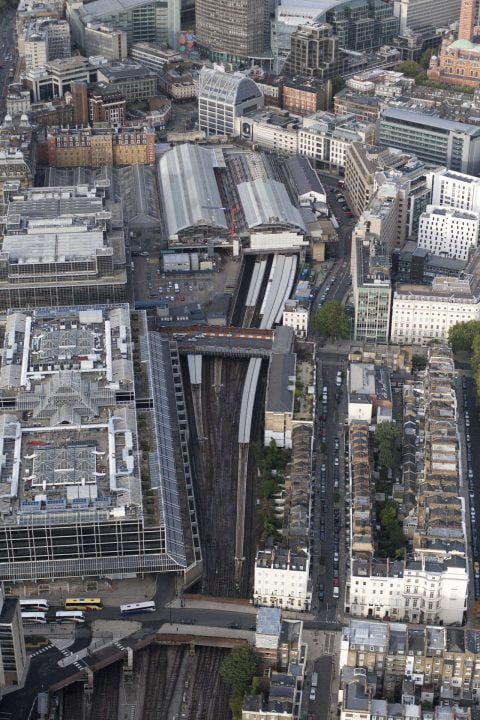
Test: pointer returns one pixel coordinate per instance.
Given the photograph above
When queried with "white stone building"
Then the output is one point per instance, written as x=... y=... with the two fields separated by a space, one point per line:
x=295 y=315
x=269 y=130
x=421 y=313
x=281 y=579
x=222 y=98
x=448 y=231
x=454 y=189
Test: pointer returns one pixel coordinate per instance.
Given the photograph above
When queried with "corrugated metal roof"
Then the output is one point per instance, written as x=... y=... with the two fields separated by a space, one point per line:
x=189 y=189
x=266 y=202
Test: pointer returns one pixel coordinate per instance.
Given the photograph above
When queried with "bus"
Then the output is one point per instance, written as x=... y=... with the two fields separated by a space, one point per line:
x=33 y=617
x=75 y=616
x=314 y=682
x=82 y=603
x=34 y=604
x=137 y=608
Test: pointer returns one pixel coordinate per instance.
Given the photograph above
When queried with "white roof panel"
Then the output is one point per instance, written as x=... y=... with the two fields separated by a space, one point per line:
x=189 y=189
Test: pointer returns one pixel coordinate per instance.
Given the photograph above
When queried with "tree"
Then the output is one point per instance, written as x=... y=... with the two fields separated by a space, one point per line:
x=419 y=362
x=238 y=669
x=461 y=335
x=391 y=540
x=410 y=68
x=386 y=440
x=426 y=57
x=331 y=320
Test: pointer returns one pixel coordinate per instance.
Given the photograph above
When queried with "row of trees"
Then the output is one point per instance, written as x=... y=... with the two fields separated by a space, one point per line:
x=465 y=337
x=387 y=441
x=239 y=671
x=412 y=69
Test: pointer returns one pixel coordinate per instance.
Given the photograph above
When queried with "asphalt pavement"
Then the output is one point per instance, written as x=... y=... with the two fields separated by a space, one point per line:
x=8 y=54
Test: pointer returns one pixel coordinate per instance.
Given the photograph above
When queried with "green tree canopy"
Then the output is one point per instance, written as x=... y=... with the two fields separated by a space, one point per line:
x=426 y=57
x=386 y=440
x=391 y=540
x=331 y=320
x=239 y=668
x=419 y=362
x=461 y=335
x=410 y=68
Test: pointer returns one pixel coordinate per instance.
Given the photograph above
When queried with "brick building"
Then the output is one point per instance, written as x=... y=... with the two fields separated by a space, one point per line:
x=103 y=147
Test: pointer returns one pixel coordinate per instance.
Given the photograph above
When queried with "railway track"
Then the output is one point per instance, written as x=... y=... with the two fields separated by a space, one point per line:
x=172 y=677
x=215 y=465
x=155 y=682
x=73 y=698
x=209 y=698
x=106 y=693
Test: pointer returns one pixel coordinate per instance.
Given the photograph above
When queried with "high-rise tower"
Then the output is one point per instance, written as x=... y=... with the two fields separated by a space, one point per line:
x=231 y=29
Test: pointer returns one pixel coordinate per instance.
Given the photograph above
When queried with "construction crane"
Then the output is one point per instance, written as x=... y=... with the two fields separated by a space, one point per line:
x=232 y=211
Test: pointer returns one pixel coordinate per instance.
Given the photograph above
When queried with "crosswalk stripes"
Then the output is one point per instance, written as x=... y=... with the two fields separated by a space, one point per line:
x=42 y=650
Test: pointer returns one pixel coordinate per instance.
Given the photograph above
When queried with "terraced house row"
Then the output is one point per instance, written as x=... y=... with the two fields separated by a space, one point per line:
x=429 y=583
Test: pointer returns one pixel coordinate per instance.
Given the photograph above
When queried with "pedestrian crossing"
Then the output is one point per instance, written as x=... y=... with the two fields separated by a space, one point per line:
x=67 y=653
x=41 y=650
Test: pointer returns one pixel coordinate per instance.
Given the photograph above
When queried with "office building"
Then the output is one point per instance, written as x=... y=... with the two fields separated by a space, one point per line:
x=105 y=41
x=371 y=290
x=363 y=25
x=55 y=78
x=432 y=139
x=14 y=661
x=419 y=14
x=154 y=56
x=130 y=79
x=448 y=232
x=422 y=313
x=106 y=105
x=222 y=98
x=142 y=20
x=325 y=138
x=270 y=130
x=364 y=107
x=314 y=52
x=61 y=246
x=46 y=40
x=416 y=265
x=367 y=167
x=231 y=30
x=454 y=189
x=304 y=96
x=71 y=419
x=100 y=147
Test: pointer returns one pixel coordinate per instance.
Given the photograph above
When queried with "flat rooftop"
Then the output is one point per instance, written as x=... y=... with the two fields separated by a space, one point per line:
x=68 y=443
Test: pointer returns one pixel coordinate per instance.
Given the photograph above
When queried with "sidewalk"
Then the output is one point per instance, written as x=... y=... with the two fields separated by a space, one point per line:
x=112 y=592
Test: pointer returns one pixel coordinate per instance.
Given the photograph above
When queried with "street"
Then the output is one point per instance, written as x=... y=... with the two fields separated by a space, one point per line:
x=8 y=54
